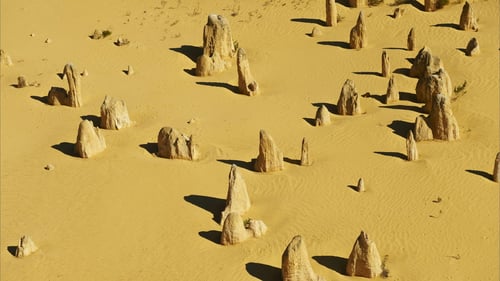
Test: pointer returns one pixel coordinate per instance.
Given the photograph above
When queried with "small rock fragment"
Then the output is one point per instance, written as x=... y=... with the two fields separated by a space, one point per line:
x=130 y=70
x=5 y=58
x=97 y=34
x=21 y=82
x=49 y=167
x=48 y=41
x=361 y=185
x=84 y=73
x=25 y=247
x=316 y=32
x=114 y=114
x=322 y=116
x=121 y=41
x=398 y=12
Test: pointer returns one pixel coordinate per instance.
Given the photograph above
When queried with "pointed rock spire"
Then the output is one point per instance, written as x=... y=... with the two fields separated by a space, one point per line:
x=364 y=260
x=114 y=114
x=411 y=147
x=305 y=160
x=392 y=94
x=441 y=120
x=386 y=65
x=295 y=265
x=496 y=168
x=358 y=38
x=270 y=158
x=89 y=141
x=349 y=102
x=322 y=116
x=25 y=247
x=472 y=48
x=411 y=41
x=468 y=20
x=246 y=83
x=425 y=63
x=237 y=200
x=361 y=185
x=331 y=13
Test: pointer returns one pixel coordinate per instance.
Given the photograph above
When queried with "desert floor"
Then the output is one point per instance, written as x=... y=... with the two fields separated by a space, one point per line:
x=128 y=215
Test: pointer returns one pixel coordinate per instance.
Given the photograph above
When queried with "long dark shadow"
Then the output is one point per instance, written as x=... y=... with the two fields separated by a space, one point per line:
x=403 y=71
x=481 y=174
x=192 y=52
x=408 y=96
x=40 y=99
x=263 y=272
x=12 y=250
x=392 y=154
x=227 y=86
x=211 y=235
x=308 y=20
x=401 y=128
x=150 y=147
x=66 y=148
x=96 y=120
x=404 y=107
x=211 y=204
x=367 y=73
x=239 y=163
x=340 y=44
x=335 y=263
x=448 y=25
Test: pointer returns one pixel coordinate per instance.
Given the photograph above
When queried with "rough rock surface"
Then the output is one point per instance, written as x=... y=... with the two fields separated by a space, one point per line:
x=425 y=63
x=237 y=200
x=234 y=229
x=364 y=260
x=496 y=168
x=398 y=12
x=21 y=82
x=305 y=160
x=468 y=20
x=422 y=129
x=441 y=120
x=411 y=147
x=349 y=102
x=114 y=114
x=73 y=96
x=431 y=85
x=218 y=46
x=357 y=3
x=322 y=116
x=295 y=264
x=386 y=65
x=472 y=48
x=5 y=58
x=331 y=13
x=316 y=32
x=361 y=185
x=174 y=145
x=270 y=158
x=25 y=247
x=89 y=141
x=246 y=83
x=358 y=38
x=410 y=42
x=430 y=5
x=392 y=94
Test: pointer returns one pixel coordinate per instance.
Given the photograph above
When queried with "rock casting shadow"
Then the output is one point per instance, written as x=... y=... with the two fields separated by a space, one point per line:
x=401 y=128
x=408 y=96
x=66 y=148
x=230 y=87
x=339 y=44
x=192 y=52
x=481 y=173
x=211 y=204
x=337 y=264
x=379 y=98
x=392 y=154
x=211 y=235
x=263 y=272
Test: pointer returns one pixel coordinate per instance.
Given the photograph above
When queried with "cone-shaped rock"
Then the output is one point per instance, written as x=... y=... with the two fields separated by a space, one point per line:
x=364 y=260
x=246 y=84
x=425 y=63
x=21 y=82
x=237 y=200
x=305 y=160
x=130 y=70
x=331 y=13
x=441 y=120
x=270 y=158
x=431 y=85
x=430 y=5
x=89 y=141
x=358 y=38
x=218 y=47
x=357 y=3
x=386 y=65
x=316 y=32
x=25 y=247
x=392 y=94
x=173 y=144
x=422 y=129
x=322 y=116
x=235 y=231
x=468 y=20
x=349 y=102
x=295 y=264
x=72 y=97
x=411 y=147
x=361 y=185
x=496 y=168
x=410 y=42
x=114 y=114
x=472 y=48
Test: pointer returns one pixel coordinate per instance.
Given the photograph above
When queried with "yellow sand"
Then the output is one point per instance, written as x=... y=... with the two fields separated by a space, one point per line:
x=127 y=215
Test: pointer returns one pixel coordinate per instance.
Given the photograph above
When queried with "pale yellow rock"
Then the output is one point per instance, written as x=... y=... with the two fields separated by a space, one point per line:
x=358 y=38
x=172 y=144
x=89 y=140
x=114 y=114
x=392 y=93
x=361 y=185
x=468 y=20
x=73 y=96
x=235 y=231
x=237 y=200
x=25 y=247
x=411 y=147
x=295 y=264
x=441 y=120
x=425 y=63
x=270 y=158
x=316 y=32
x=422 y=130
x=349 y=102
x=386 y=65
x=364 y=259
x=246 y=83
x=398 y=12
x=322 y=116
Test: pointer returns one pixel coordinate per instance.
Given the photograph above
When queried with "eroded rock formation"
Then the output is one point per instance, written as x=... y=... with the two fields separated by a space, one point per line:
x=357 y=3
x=172 y=144
x=496 y=168
x=358 y=38
x=398 y=12
x=429 y=86
x=295 y=264
x=430 y=5
x=25 y=247
x=425 y=63
x=246 y=83
x=386 y=65
x=305 y=160
x=235 y=230
x=472 y=48
x=422 y=129
x=237 y=200
x=392 y=94
x=364 y=259
x=322 y=116
x=468 y=20
x=270 y=158
x=73 y=96
x=361 y=185
x=5 y=58
x=349 y=102
x=218 y=47
x=331 y=13
x=441 y=120
x=89 y=140
x=316 y=32
x=411 y=147
x=411 y=41
x=114 y=114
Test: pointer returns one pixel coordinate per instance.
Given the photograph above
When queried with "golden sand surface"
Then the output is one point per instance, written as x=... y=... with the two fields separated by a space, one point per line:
x=128 y=215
